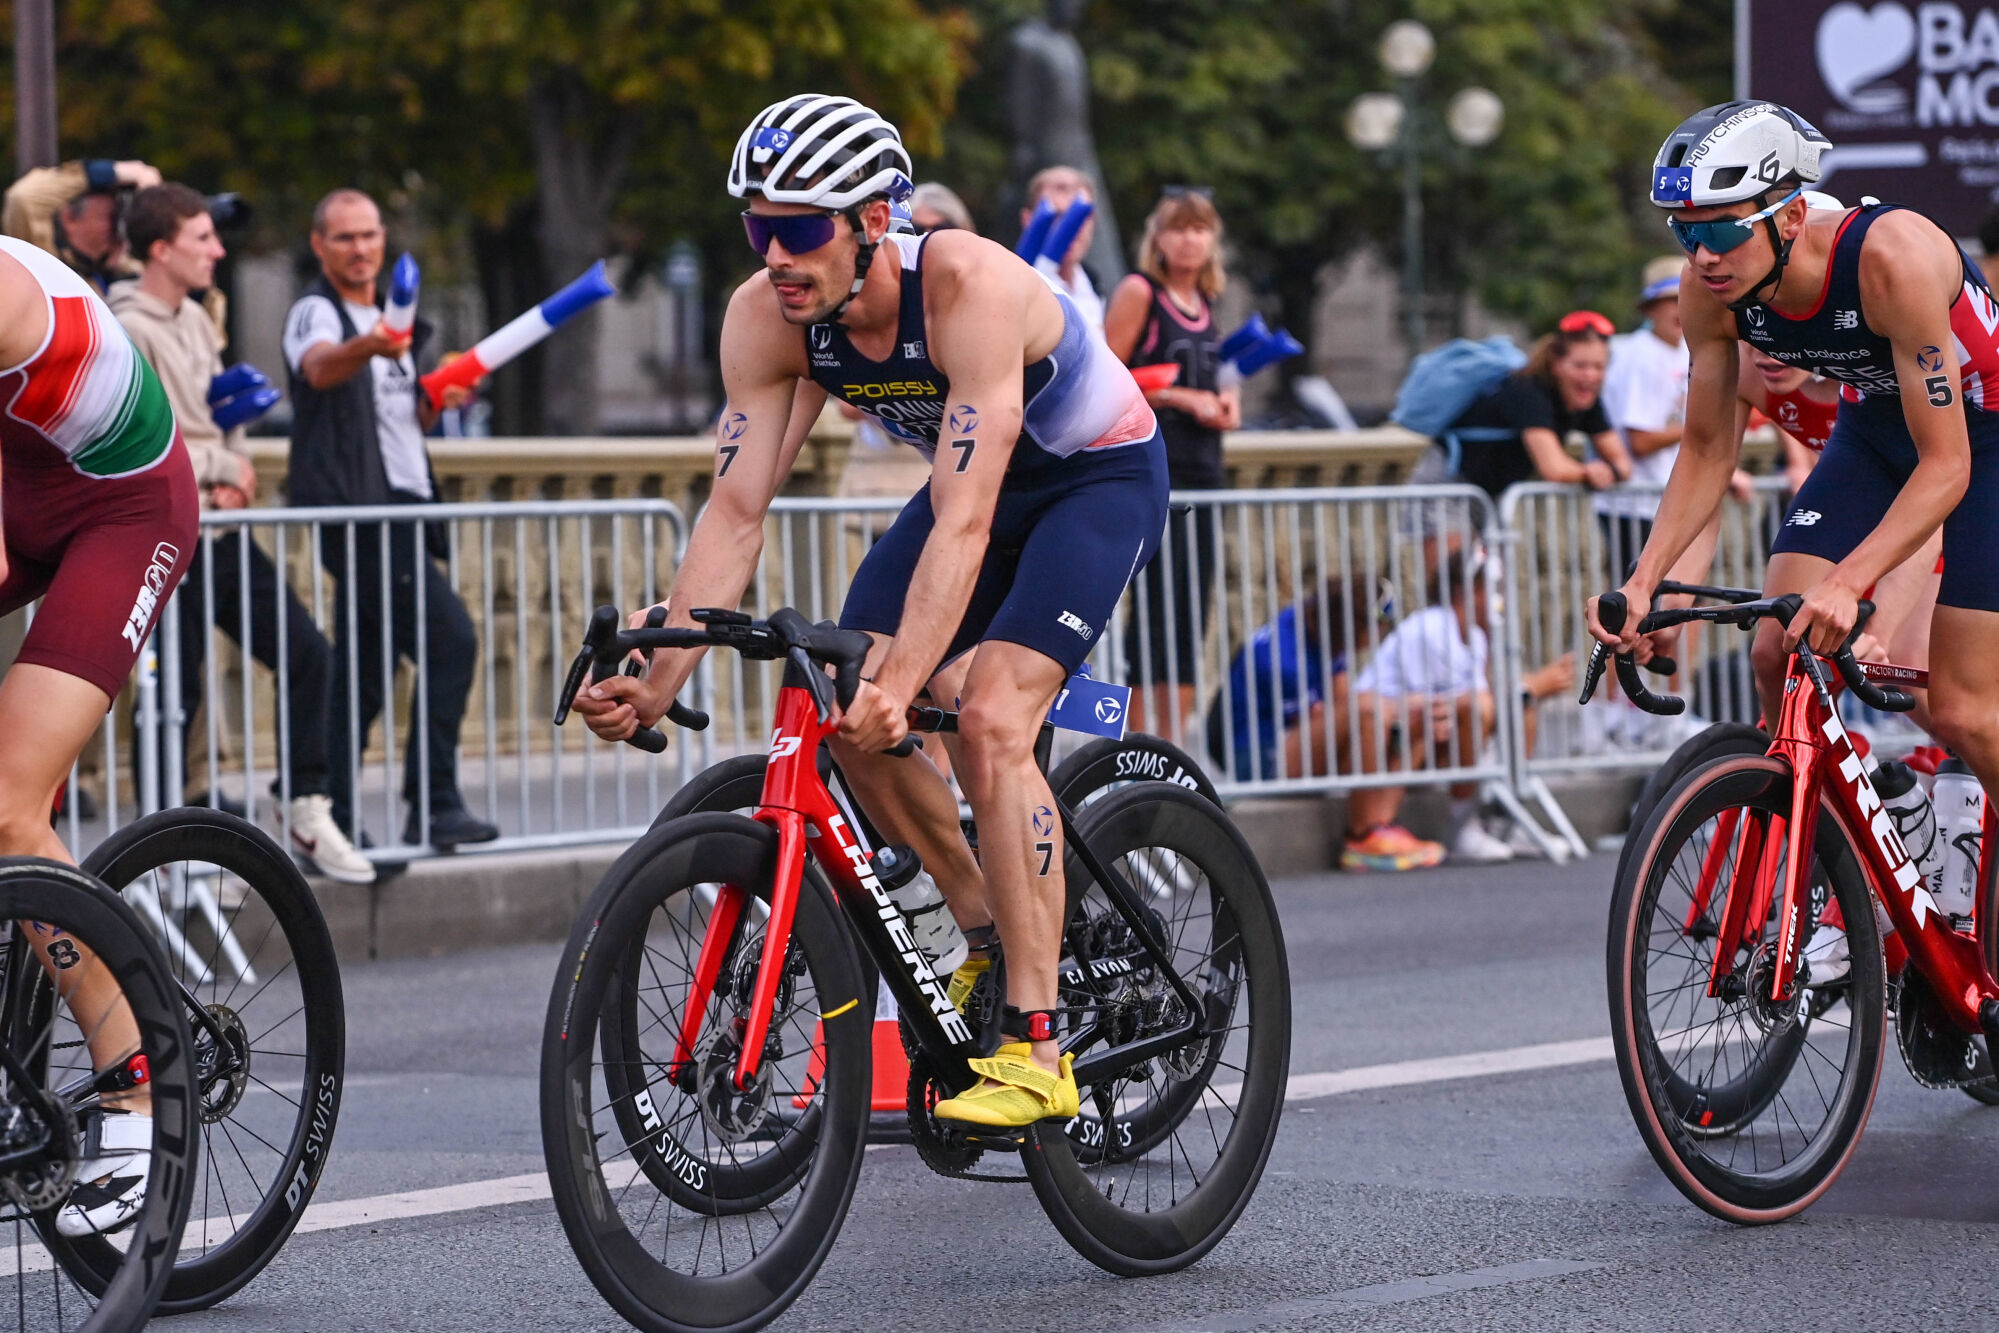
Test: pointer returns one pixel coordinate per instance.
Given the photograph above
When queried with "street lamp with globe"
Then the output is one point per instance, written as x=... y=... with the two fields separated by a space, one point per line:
x=1378 y=122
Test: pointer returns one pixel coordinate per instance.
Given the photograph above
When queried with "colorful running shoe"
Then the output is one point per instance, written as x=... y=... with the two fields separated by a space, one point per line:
x=1390 y=847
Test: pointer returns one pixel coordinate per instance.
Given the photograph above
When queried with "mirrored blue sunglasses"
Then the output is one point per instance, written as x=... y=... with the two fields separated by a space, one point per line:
x=798 y=233
x=1723 y=234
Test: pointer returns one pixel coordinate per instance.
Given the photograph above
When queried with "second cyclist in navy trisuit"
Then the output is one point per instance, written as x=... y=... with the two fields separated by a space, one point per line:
x=1048 y=488
x=1882 y=300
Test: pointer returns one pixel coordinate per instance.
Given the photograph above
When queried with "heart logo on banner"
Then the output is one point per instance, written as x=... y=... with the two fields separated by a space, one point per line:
x=1856 y=47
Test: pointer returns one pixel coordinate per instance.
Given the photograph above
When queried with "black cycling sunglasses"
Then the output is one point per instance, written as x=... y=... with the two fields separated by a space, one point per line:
x=798 y=233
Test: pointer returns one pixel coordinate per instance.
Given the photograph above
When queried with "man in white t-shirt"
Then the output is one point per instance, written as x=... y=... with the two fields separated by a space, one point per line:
x=1060 y=187
x=1645 y=397
x=358 y=430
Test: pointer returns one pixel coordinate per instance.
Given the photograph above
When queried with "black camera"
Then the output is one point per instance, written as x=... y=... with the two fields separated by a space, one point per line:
x=231 y=211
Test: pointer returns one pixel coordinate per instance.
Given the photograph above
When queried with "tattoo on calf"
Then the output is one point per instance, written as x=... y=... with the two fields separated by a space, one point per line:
x=964 y=419
x=965 y=448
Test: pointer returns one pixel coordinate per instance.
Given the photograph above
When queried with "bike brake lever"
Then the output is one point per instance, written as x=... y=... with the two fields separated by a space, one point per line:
x=1609 y=607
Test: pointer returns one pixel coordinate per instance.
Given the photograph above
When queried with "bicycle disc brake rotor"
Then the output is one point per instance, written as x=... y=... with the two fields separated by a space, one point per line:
x=1937 y=1053
x=224 y=1069
x=47 y=1179
x=733 y=1113
x=1770 y=1015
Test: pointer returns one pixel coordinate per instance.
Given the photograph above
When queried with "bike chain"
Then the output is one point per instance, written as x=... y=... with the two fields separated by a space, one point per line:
x=944 y=1151
x=1937 y=1054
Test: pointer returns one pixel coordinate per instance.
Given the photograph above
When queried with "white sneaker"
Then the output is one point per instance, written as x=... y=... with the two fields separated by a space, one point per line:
x=1475 y=845
x=111 y=1180
x=317 y=838
x=1829 y=956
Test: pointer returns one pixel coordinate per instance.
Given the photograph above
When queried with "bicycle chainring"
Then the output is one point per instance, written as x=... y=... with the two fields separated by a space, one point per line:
x=1937 y=1053
x=943 y=1148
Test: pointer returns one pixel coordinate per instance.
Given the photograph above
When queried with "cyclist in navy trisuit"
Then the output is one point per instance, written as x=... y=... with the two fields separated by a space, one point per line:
x=1880 y=299
x=1047 y=490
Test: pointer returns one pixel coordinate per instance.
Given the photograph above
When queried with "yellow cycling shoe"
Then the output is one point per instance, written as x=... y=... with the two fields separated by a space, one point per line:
x=1015 y=1092
x=964 y=979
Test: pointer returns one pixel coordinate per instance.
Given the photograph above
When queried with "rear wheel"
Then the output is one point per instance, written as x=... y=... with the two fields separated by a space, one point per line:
x=1169 y=1150
x=1807 y=1063
x=750 y=1206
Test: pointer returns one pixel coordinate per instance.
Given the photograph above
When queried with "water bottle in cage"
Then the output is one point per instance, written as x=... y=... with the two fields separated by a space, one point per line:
x=1915 y=819
x=1960 y=816
x=910 y=888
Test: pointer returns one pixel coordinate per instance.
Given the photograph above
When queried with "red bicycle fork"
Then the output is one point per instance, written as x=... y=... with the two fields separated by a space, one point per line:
x=791 y=782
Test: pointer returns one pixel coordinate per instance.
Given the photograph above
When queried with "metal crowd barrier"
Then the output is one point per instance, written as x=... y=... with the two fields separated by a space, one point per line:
x=1305 y=640
x=526 y=575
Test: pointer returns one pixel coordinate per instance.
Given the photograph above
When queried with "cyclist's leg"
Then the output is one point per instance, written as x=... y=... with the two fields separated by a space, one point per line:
x=1842 y=501
x=1007 y=694
x=1907 y=599
x=1964 y=635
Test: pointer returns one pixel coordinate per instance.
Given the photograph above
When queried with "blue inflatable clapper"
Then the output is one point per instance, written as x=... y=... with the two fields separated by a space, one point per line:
x=1063 y=234
x=1093 y=707
x=245 y=407
x=235 y=380
x=1035 y=233
x=404 y=281
x=589 y=289
x=899 y=218
x=1244 y=338
x=1279 y=345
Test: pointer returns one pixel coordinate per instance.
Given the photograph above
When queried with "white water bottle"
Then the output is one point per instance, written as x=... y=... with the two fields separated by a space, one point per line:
x=1960 y=815
x=910 y=888
x=1915 y=819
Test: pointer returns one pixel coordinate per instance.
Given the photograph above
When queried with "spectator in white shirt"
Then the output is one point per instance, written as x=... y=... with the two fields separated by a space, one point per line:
x=1061 y=187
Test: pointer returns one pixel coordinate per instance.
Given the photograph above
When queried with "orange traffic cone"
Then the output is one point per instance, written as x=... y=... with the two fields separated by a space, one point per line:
x=891 y=1078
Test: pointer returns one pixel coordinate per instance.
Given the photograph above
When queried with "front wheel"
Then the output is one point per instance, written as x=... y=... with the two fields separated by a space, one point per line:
x=693 y=1204
x=1813 y=1057
x=1167 y=1152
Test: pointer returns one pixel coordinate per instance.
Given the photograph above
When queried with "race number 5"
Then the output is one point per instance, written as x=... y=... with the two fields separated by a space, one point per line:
x=1938 y=389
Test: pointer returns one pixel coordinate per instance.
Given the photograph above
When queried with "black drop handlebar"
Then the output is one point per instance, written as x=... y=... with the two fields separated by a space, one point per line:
x=1741 y=609
x=786 y=635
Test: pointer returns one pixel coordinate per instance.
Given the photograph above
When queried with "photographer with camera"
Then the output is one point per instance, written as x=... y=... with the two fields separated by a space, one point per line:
x=76 y=213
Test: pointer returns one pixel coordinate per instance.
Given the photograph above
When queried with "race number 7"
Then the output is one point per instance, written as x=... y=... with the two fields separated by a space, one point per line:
x=965 y=448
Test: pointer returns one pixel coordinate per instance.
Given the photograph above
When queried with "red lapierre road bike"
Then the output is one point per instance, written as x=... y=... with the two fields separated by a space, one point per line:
x=1750 y=1078
x=706 y=1065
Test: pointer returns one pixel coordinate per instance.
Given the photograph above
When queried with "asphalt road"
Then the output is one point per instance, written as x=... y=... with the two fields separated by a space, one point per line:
x=1513 y=1199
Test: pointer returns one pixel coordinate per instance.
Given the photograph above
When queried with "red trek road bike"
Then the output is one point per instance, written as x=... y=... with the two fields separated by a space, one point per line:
x=706 y=1064
x=1748 y=1049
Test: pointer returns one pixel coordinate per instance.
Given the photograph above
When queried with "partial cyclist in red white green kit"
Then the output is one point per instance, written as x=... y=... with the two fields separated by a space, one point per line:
x=98 y=510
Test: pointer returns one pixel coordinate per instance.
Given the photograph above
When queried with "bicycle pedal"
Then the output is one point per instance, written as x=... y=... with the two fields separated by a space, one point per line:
x=1003 y=1140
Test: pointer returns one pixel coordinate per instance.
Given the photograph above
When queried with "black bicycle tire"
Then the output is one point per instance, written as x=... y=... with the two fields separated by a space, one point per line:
x=1138 y=1244
x=1712 y=742
x=1723 y=783
x=33 y=889
x=649 y=1296
x=1138 y=757
x=194 y=833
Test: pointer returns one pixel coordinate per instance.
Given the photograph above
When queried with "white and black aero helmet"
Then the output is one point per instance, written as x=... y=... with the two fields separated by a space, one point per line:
x=1735 y=151
x=828 y=151
x=1732 y=153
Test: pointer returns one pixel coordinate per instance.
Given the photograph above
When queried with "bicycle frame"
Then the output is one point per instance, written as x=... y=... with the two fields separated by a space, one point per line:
x=807 y=816
x=1828 y=772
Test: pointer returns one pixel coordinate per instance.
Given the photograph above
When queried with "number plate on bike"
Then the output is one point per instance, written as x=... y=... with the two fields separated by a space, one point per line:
x=1092 y=707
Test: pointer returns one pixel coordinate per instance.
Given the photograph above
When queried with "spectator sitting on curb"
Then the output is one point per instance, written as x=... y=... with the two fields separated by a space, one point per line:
x=1276 y=719
x=1429 y=688
x=173 y=235
x=72 y=211
x=1061 y=187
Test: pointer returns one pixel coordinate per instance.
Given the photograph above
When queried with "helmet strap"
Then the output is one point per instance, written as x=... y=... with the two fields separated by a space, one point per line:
x=864 y=258
x=1782 y=249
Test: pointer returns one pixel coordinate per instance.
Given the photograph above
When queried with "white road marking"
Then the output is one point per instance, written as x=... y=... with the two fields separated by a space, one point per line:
x=343 y=1214
x=1355 y=1299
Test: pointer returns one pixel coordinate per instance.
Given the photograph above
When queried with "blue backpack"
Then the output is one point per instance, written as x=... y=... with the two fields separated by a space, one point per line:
x=1446 y=380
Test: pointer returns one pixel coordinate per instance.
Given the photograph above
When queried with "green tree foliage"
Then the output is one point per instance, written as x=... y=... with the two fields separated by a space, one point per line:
x=1249 y=97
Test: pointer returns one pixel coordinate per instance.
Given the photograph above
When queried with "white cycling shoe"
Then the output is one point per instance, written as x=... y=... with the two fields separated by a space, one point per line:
x=1829 y=956
x=111 y=1180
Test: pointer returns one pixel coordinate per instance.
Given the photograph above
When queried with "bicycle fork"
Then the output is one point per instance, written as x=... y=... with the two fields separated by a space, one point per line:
x=1759 y=843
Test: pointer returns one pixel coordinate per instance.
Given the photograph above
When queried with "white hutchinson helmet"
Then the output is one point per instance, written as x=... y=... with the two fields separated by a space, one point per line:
x=813 y=149
x=1735 y=151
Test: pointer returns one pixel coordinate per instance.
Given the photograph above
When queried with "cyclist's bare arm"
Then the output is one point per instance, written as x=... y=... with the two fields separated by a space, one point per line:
x=988 y=316
x=1707 y=453
x=24 y=323
x=1909 y=275
x=766 y=419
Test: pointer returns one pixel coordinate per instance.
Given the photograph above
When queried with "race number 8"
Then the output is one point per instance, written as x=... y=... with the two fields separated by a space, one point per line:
x=1938 y=389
